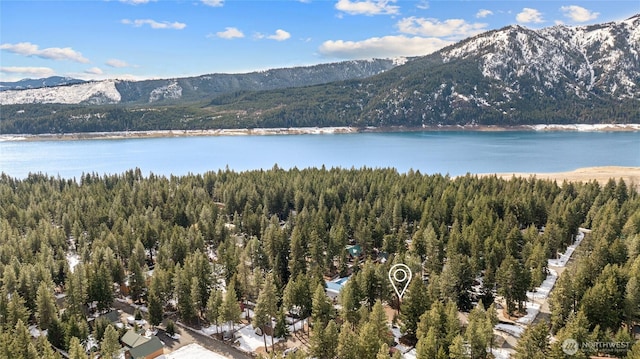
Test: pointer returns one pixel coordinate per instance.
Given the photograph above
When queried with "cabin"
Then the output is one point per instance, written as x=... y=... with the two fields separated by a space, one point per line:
x=354 y=250
x=112 y=316
x=137 y=346
x=333 y=287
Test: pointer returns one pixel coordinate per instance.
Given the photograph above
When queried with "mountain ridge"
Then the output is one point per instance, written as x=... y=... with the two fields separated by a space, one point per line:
x=507 y=77
x=192 y=88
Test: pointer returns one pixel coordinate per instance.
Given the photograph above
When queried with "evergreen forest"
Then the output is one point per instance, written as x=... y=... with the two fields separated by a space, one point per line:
x=200 y=248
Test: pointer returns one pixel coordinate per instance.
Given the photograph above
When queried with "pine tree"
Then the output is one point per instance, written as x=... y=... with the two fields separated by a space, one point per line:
x=76 y=351
x=331 y=339
x=136 y=281
x=110 y=343
x=282 y=329
x=230 y=310
x=16 y=311
x=349 y=301
x=324 y=341
x=266 y=308
x=56 y=334
x=534 y=342
x=194 y=295
x=378 y=319
x=155 y=308
x=414 y=304
x=182 y=284
x=479 y=332
x=348 y=342
x=322 y=310
x=427 y=347
x=213 y=307
x=368 y=342
x=297 y=297
x=21 y=340
x=100 y=287
x=46 y=310
x=383 y=353
x=457 y=349
x=170 y=328
x=513 y=282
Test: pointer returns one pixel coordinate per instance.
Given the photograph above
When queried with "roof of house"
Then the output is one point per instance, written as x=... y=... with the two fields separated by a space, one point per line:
x=151 y=346
x=133 y=339
x=112 y=316
x=333 y=286
x=355 y=250
x=140 y=346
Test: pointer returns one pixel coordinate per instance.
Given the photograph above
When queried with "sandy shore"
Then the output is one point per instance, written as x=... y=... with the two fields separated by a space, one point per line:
x=312 y=131
x=631 y=175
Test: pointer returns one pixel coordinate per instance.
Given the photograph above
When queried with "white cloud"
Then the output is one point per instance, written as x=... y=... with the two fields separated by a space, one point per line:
x=155 y=24
x=229 y=33
x=28 y=71
x=578 y=13
x=385 y=47
x=117 y=63
x=213 y=3
x=93 y=71
x=280 y=35
x=423 y=5
x=367 y=7
x=51 y=53
x=451 y=28
x=528 y=15
x=482 y=13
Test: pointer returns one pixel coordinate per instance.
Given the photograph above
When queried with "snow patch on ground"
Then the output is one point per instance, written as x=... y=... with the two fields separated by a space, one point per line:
x=194 y=351
x=564 y=258
x=501 y=353
x=73 y=260
x=587 y=128
x=411 y=354
x=532 y=311
x=512 y=329
x=543 y=291
x=250 y=341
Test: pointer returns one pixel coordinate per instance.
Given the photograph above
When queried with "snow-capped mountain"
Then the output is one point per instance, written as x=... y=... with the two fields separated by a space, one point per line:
x=515 y=75
x=511 y=76
x=196 y=88
x=599 y=59
x=95 y=93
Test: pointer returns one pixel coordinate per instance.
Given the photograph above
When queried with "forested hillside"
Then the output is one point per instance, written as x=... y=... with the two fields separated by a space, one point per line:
x=223 y=237
x=506 y=77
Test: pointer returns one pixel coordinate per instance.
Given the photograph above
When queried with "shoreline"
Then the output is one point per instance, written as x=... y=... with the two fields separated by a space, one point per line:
x=315 y=131
x=600 y=174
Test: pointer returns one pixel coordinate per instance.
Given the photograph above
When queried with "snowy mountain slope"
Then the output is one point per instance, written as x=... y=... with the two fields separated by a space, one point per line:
x=95 y=93
x=200 y=87
x=511 y=76
x=599 y=59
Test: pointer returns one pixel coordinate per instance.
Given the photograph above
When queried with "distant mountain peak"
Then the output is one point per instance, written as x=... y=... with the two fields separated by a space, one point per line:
x=29 y=83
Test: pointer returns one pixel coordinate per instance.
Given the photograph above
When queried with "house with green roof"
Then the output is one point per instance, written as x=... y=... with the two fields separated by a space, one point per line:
x=137 y=346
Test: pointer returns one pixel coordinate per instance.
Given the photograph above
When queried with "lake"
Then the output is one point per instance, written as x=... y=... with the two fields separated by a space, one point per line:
x=455 y=153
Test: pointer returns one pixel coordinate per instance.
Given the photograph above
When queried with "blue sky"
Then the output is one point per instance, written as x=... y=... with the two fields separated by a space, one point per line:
x=140 y=39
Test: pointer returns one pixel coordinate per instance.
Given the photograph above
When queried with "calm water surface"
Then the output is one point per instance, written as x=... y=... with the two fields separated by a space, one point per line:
x=454 y=153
